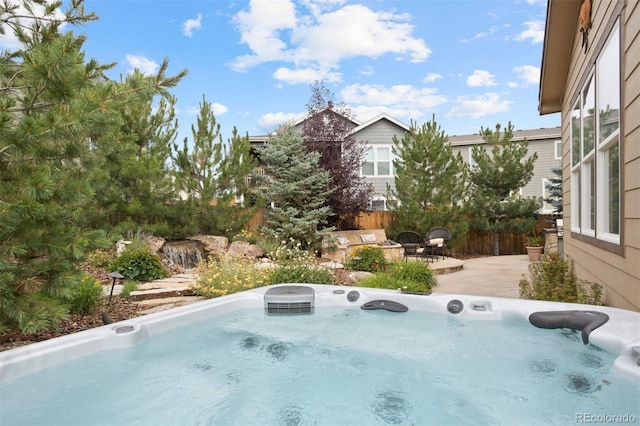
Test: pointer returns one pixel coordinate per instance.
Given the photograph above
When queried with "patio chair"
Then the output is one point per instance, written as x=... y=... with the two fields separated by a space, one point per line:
x=436 y=241
x=412 y=243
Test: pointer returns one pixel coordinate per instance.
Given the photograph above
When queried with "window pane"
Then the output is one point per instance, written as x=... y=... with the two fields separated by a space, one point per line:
x=575 y=135
x=609 y=87
x=588 y=123
x=611 y=197
x=558 y=146
x=588 y=196
x=575 y=201
x=367 y=168
x=383 y=154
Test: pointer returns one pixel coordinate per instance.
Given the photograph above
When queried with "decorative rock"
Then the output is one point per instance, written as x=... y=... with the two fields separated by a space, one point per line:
x=332 y=265
x=121 y=246
x=243 y=248
x=213 y=245
x=359 y=275
x=155 y=243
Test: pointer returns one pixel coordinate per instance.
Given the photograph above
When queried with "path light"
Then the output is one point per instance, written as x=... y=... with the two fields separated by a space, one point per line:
x=115 y=275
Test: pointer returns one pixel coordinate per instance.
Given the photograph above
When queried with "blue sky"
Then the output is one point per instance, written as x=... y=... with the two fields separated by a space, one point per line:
x=472 y=63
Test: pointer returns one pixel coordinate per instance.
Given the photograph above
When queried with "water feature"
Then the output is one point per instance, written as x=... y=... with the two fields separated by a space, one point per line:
x=185 y=253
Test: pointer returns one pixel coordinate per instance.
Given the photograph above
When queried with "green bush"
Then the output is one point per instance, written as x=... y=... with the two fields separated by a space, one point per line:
x=417 y=275
x=554 y=279
x=84 y=296
x=128 y=287
x=300 y=273
x=228 y=274
x=367 y=258
x=414 y=277
x=139 y=264
x=100 y=258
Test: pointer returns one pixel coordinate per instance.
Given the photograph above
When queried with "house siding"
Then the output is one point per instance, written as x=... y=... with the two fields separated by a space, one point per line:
x=541 y=141
x=618 y=270
x=380 y=133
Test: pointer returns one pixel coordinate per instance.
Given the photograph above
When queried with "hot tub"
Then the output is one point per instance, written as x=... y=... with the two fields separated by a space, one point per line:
x=317 y=354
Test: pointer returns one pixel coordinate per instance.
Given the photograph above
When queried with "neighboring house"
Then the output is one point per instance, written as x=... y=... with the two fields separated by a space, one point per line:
x=379 y=132
x=591 y=63
x=546 y=142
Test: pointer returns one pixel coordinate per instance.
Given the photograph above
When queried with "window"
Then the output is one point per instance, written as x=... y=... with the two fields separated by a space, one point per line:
x=378 y=204
x=595 y=148
x=377 y=162
x=472 y=162
x=546 y=207
x=558 y=150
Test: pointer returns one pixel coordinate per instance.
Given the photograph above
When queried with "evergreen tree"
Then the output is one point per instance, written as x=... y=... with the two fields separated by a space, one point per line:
x=554 y=188
x=327 y=130
x=52 y=103
x=135 y=183
x=211 y=174
x=430 y=182
x=296 y=187
x=495 y=203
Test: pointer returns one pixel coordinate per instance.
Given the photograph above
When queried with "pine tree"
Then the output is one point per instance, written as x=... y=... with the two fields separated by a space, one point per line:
x=212 y=173
x=52 y=102
x=132 y=178
x=430 y=182
x=495 y=202
x=327 y=130
x=554 y=188
x=296 y=187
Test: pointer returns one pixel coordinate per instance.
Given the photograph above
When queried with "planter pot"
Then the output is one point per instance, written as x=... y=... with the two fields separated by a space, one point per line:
x=535 y=253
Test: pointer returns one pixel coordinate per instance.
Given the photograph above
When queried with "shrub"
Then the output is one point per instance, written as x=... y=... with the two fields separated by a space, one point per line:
x=300 y=273
x=128 y=287
x=139 y=264
x=84 y=295
x=367 y=258
x=227 y=275
x=418 y=276
x=554 y=279
x=415 y=277
x=100 y=258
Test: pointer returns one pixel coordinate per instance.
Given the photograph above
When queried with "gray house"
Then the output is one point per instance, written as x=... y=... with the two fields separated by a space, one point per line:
x=547 y=142
x=377 y=166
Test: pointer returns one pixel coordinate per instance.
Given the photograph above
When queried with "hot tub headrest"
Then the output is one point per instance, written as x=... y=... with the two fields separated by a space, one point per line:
x=587 y=321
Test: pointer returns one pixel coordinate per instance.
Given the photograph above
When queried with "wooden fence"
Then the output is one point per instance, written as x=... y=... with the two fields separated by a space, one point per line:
x=474 y=243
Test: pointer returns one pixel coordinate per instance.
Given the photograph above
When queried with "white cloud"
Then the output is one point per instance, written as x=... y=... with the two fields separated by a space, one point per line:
x=260 y=29
x=431 y=77
x=218 y=109
x=479 y=106
x=146 y=66
x=305 y=75
x=191 y=24
x=320 y=40
x=481 y=78
x=527 y=74
x=367 y=70
x=481 y=34
x=273 y=120
x=402 y=96
x=534 y=31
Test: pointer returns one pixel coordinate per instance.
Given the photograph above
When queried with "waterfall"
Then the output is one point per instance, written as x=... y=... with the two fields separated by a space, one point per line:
x=186 y=254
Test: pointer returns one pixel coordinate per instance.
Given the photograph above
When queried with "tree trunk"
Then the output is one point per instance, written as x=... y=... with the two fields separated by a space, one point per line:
x=496 y=244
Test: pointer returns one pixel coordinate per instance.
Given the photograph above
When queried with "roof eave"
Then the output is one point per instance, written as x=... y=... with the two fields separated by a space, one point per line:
x=559 y=34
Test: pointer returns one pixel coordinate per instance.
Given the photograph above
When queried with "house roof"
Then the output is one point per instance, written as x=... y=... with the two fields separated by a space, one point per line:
x=379 y=117
x=559 y=34
x=518 y=135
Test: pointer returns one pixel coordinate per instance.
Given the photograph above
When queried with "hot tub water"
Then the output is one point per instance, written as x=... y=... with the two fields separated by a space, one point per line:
x=338 y=366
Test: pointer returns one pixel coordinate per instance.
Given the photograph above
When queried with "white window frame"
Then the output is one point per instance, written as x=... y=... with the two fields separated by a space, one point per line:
x=546 y=207
x=557 y=149
x=373 y=149
x=590 y=198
